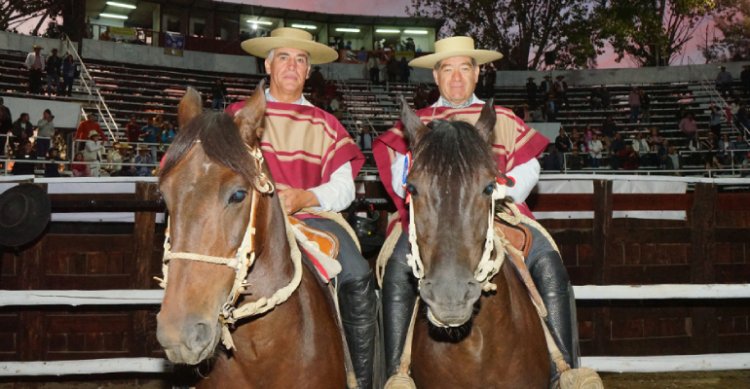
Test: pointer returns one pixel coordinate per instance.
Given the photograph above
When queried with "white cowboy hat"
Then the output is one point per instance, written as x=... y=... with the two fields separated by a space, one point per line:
x=93 y=132
x=294 y=38
x=457 y=46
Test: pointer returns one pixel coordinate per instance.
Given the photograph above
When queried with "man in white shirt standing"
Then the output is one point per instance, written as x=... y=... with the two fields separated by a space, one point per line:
x=35 y=64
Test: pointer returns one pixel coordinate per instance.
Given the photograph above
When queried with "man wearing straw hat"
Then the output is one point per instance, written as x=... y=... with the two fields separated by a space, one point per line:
x=313 y=161
x=455 y=68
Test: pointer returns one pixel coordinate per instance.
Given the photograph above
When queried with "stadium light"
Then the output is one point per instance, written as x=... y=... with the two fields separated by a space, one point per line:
x=387 y=31
x=305 y=26
x=113 y=16
x=416 y=32
x=345 y=29
x=121 y=5
x=263 y=22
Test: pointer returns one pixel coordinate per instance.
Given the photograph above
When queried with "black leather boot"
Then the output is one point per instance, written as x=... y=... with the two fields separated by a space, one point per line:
x=399 y=295
x=551 y=279
x=358 y=304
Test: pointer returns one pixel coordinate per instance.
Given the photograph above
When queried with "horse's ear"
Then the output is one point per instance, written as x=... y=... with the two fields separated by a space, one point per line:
x=413 y=127
x=249 y=119
x=190 y=106
x=486 y=123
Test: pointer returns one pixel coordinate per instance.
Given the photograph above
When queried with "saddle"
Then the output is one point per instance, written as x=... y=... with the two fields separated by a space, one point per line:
x=517 y=235
x=321 y=247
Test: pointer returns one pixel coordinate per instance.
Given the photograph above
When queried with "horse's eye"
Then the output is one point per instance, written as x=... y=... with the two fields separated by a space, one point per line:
x=489 y=189
x=238 y=196
x=411 y=189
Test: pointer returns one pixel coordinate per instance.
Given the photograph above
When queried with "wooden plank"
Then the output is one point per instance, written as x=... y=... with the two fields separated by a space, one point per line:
x=561 y=202
x=652 y=201
x=703 y=222
x=735 y=201
x=600 y=234
x=143 y=256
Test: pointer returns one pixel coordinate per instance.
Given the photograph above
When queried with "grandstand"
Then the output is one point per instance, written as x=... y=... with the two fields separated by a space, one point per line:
x=128 y=88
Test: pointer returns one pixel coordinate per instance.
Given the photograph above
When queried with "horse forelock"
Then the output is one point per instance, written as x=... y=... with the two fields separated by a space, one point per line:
x=452 y=152
x=220 y=141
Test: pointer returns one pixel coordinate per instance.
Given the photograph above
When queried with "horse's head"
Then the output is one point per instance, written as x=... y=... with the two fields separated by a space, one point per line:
x=208 y=182
x=451 y=184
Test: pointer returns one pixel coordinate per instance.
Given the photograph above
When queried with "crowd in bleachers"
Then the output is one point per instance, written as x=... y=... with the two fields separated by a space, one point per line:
x=606 y=126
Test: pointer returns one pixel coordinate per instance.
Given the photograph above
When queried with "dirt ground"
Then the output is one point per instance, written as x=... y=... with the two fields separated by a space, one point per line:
x=695 y=380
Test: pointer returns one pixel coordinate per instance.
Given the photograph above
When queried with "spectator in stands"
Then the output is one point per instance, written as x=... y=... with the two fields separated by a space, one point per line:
x=595 y=99
x=616 y=151
x=745 y=80
x=144 y=161
x=92 y=153
x=688 y=125
x=741 y=117
x=25 y=159
x=364 y=141
x=218 y=95
x=606 y=97
x=69 y=73
x=6 y=126
x=22 y=131
x=391 y=67
x=455 y=66
x=725 y=150
x=574 y=160
x=629 y=158
x=596 y=149
x=409 y=44
x=45 y=130
x=52 y=167
x=420 y=96
x=673 y=159
x=35 y=65
x=90 y=124
x=150 y=134
x=645 y=106
x=739 y=146
x=643 y=149
x=113 y=167
x=551 y=108
x=79 y=167
x=715 y=119
x=373 y=66
x=545 y=87
x=490 y=77
x=609 y=127
x=561 y=91
x=724 y=82
x=316 y=81
x=551 y=160
x=404 y=69
x=329 y=185
x=634 y=102
x=362 y=55
x=531 y=91
x=537 y=114
x=133 y=130
x=588 y=135
x=53 y=68
x=167 y=134
x=711 y=147
x=562 y=144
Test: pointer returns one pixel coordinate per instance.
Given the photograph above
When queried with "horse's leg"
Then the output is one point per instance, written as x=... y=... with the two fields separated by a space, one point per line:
x=551 y=279
x=399 y=295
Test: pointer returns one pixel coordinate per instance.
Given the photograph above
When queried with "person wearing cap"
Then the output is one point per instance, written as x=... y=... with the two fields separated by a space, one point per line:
x=92 y=153
x=455 y=68
x=313 y=161
x=35 y=64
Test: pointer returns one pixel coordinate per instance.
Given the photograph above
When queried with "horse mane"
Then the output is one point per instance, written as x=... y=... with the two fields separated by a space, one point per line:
x=220 y=139
x=453 y=151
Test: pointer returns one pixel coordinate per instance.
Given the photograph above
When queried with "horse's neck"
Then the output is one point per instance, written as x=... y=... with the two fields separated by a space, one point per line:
x=273 y=267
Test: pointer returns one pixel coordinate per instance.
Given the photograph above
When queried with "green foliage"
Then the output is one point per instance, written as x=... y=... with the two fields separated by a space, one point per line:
x=650 y=32
x=523 y=30
x=15 y=12
x=729 y=39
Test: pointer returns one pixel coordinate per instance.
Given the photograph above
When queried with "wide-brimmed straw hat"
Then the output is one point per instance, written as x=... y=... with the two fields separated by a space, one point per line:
x=93 y=132
x=293 y=38
x=456 y=46
x=36 y=46
x=24 y=213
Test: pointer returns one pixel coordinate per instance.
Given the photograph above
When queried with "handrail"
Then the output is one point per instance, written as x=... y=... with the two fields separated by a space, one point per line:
x=88 y=83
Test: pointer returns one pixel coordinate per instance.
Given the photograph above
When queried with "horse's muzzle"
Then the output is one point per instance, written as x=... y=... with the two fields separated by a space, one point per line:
x=189 y=341
x=450 y=302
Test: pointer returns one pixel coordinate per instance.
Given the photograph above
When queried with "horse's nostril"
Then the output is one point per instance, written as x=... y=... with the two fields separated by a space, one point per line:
x=199 y=336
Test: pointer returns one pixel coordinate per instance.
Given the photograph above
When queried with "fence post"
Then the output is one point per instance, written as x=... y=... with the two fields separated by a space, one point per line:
x=701 y=256
x=600 y=236
x=143 y=254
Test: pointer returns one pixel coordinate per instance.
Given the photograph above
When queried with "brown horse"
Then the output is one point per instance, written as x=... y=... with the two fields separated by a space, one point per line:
x=213 y=182
x=467 y=338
